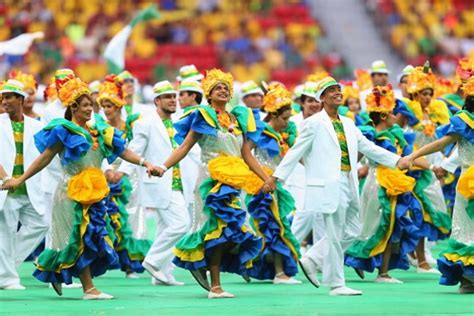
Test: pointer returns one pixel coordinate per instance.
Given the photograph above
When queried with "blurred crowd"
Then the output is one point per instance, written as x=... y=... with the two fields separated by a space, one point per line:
x=439 y=30
x=258 y=39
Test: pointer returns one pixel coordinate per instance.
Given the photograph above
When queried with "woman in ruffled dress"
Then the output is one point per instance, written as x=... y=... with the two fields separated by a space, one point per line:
x=123 y=192
x=269 y=212
x=434 y=220
x=219 y=239
x=457 y=261
x=388 y=232
x=79 y=244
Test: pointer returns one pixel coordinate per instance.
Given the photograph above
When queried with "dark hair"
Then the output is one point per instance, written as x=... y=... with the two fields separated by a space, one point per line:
x=469 y=104
x=303 y=97
x=277 y=113
x=375 y=117
x=198 y=95
x=68 y=113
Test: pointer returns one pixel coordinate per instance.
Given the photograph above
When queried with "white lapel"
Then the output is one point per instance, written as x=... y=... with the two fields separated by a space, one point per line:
x=27 y=132
x=7 y=129
x=158 y=123
x=328 y=124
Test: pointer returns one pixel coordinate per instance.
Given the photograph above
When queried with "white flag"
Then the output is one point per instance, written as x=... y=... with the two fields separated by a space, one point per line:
x=19 y=45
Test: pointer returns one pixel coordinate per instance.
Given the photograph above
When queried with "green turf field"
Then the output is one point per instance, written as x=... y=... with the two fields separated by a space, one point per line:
x=419 y=295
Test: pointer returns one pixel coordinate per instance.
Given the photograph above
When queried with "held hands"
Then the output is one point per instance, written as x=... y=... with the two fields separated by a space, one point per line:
x=11 y=184
x=405 y=162
x=113 y=176
x=269 y=185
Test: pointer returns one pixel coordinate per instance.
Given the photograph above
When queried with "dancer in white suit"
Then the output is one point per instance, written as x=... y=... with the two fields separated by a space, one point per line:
x=153 y=138
x=329 y=146
x=25 y=204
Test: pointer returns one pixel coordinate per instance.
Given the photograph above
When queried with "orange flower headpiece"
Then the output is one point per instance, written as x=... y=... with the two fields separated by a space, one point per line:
x=28 y=80
x=61 y=76
x=468 y=86
x=349 y=91
x=465 y=68
x=381 y=99
x=277 y=96
x=421 y=78
x=111 y=90
x=71 y=90
x=317 y=76
x=50 y=93
x=214 y=77
x=363 y=80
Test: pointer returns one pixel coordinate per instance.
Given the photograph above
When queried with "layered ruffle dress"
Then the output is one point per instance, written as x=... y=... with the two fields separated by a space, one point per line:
x=78 y=237
x=269 y=212
x=218 y=215
x=434 y=220
x=457 y=261
x=122 y=203
x=387 y=204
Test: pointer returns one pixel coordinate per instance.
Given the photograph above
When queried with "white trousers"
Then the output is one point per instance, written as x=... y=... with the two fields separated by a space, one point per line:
x=16 y=245
x=341 y=229
x=173 y=223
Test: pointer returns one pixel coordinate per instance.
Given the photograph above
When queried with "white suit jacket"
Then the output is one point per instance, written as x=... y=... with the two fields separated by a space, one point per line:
x=317 y=144
x=30 y=153
x=151 y=141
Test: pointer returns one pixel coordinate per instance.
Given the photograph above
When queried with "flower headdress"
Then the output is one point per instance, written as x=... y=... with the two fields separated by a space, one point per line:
x=214 y=77
x=349 y=91
x=28 y=80
x=381 y=99
x=465 y=68
x=111 y=89
x=363 y=80
x=72 y=89
x=50 y=93
x=468 y=86
x=276 y=97
x=421 y=78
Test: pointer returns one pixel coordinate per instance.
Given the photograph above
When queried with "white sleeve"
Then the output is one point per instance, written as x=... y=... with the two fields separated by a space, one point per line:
x=139 y=143
x=451 y=163
x=374 y=152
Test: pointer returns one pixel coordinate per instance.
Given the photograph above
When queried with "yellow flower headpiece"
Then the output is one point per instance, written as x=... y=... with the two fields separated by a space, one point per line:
x=317 y=76
x=71 y=90
x=421 y=78
x=214 y=77
x=349 y=91
x=111 y=90
x=363 y=80
x=381 y=99
x=28 y=80
x=444 y=86
x=276 y=97
x=468 y=87
x=465 y=68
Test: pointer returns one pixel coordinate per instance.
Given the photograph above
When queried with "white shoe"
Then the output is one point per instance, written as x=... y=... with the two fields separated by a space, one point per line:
x=101 y=296
x=429 y=257
x=220 y=295
x=14 y=287
x=157 y=274
x=73 y=285
x=171 y=281
x=413 y=261
x=310 y=270
x=430 y=270
x=292 y=281
x=132 y=275
x=387 y=279
x=344 y=290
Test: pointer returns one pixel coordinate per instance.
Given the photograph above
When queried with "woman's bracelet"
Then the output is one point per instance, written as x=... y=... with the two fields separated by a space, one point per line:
x=141 y=162
x=164 y=167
